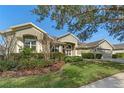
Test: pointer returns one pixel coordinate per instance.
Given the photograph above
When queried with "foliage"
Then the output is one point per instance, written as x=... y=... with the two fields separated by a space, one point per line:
x=7 y=44
x=57 y=56
x=23 y=64
x=85 y=20
x=98 y=56
x=38 y=55
x=69 y=77
x=26 y=53
x=73 y=59
x=118 y=55
x=7 y=65
x=37 y=64
x=87 y=55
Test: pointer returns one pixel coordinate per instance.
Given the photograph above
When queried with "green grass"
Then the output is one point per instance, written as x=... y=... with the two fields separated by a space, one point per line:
x=71 y=75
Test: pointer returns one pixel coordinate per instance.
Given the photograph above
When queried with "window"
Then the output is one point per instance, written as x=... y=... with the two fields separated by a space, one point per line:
x=69 y=47
x=69 y=50
x=55 y=48
x=30 y=42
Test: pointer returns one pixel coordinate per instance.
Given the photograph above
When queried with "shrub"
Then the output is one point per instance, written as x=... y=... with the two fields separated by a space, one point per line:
x=15 y=56
x=37 y=64
x=26 y=53
x=57 y=56
x=88 y=55
x=98 y=56
x=7 y=65
x=118 y=55
x=20 y=57
x=72 y=58
x=37 y=55
x=114 y=56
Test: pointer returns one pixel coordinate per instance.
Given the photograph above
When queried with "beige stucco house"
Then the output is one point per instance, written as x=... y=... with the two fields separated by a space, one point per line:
x=29 y=35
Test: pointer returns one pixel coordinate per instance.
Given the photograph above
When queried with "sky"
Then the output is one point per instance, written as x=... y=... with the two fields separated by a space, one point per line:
x=14 y=15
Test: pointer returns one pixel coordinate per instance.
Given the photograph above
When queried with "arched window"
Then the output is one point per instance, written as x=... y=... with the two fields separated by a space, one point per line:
x=69 y=46
x=68 y=50
x=30 y=41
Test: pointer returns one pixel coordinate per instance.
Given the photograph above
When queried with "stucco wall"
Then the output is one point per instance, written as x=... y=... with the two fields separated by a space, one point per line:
x=105 y=45
x=117 y=51
x=79 y=51
x=69 y=38
x=28 y=31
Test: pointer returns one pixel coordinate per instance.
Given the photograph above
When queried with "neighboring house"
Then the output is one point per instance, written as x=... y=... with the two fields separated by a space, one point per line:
x=29 y=35
x=118 y=48
x=101 y=46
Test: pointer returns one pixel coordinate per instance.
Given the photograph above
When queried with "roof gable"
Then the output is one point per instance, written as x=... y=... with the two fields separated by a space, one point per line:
x=95 y=44
x=23 y=26
x=106 y=42
x=67 y=34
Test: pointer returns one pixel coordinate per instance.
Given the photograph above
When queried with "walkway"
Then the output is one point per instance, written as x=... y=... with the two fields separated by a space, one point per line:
x=115 y=81
x=114 y=60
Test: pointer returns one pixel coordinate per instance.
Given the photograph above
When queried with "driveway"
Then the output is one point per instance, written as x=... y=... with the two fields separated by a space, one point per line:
x=115 y=81
x=113 y=60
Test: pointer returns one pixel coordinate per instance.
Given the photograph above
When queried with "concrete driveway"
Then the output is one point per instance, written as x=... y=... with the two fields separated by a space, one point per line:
x=113 y=60
x=115 y=81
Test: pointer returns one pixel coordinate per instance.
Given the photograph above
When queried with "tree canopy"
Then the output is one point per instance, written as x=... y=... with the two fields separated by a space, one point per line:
x=83 y=20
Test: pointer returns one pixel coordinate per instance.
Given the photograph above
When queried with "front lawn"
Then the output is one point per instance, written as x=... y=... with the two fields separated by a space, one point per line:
x=71 y=75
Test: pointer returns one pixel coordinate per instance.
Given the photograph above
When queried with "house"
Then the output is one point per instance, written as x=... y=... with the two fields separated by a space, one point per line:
x=100 y=46
x=118 y=48
x=31 y=36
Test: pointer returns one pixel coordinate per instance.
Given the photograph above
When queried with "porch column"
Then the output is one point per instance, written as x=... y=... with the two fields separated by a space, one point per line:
x=60 y=49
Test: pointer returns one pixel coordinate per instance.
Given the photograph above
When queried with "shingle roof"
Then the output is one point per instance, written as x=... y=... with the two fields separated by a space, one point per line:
x=119 y=46
x=91 y=44
x=95 y=43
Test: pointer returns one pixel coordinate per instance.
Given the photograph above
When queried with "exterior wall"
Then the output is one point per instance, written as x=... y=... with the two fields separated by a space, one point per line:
x=69 y=38
x=105 y=45
x=79 y=51
x=29 y=31
x=117 y=51
x=39 y=47
x=19 y=46
x=74 y=53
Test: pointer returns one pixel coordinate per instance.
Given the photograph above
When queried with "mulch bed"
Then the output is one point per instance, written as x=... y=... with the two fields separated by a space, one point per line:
x=54 y=67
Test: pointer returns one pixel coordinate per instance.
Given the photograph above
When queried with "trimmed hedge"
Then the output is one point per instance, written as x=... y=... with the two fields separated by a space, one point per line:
x=91 y=55
x=24 y=64
x=37 y=64
x=87 y=55
x=98 y=56
x=18 y=56
x=118 y=55
x=73 y=59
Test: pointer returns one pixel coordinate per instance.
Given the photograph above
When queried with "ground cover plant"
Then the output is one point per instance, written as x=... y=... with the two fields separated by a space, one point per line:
x=74 y=74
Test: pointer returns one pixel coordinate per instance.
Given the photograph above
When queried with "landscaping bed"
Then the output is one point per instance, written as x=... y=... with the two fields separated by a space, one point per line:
x=32 y=71
x=72 y=74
